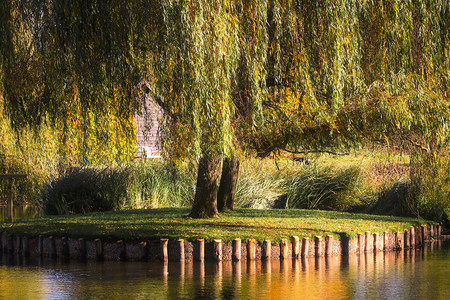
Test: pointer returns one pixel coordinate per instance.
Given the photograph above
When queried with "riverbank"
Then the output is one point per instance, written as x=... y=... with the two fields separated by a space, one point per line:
x=244 y=233
x=172 y=223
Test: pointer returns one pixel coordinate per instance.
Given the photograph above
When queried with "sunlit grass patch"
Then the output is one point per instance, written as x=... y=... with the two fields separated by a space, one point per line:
x=273 y=225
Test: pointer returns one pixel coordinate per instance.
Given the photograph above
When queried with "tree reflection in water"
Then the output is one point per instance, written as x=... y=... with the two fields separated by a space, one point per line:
x=414 y=274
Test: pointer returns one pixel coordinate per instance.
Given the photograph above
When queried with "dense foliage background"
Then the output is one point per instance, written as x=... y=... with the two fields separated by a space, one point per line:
x=233 y=78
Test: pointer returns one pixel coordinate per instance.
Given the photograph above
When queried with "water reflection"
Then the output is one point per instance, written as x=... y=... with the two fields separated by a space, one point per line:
x=418 y=274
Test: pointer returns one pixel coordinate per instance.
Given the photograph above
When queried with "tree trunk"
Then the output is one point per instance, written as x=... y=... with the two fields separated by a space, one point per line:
x=205 y=200
x=227 y=189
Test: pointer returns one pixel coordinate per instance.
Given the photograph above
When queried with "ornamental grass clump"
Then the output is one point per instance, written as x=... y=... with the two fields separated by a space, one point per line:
x=143 y=185
x=287 y=184
x=259 y=184
x=323 y=188
x=163 y=184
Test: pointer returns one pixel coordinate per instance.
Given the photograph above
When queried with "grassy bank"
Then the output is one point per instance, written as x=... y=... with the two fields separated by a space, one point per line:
x=375 y=182
x=242 y=223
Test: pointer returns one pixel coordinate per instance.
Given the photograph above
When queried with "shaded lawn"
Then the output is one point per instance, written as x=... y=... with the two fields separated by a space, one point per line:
x=242 y=223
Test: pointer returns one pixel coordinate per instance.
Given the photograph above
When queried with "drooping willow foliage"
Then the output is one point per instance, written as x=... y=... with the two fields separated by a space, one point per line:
x=265 y=74
x=345 y=71
x=65 y=63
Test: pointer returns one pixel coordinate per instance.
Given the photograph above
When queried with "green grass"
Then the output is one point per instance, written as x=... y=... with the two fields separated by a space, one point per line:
x=241 y=223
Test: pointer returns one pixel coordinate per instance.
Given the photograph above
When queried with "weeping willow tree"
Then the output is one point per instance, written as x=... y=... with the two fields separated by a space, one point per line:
x=295 y=75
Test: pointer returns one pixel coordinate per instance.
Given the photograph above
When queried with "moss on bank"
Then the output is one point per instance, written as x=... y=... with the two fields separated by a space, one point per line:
x=242 y=223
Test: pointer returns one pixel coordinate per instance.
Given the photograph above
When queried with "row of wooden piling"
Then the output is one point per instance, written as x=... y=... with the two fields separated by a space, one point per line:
x=199 y=250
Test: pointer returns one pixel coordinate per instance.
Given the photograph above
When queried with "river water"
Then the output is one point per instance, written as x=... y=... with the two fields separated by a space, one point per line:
x=416 y=274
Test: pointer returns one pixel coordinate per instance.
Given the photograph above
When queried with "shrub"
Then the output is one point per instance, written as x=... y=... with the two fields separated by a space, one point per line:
x=393 y=200
x=81 y=190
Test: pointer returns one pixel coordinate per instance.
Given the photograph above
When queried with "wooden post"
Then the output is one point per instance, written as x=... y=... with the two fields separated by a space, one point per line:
x=10 y=240
x=251 y=249
x=236 y=249
x=65 y=248
x=360 y=244
x=200 y=253
x=18 y=246
x=180 y=243
x=40 y=245
x=407 y=239
x=52 y=247
x=305 y=246
x=217 y=253
x=1 y=242
x=25 y=247
x=283 y=249
x=266 y=250
x=418 y=236
x=385 y=240
x=398 y=240
x=122 y=250
x=423 y=233
x=98 y=249
x=10 y=205
x=164 y=256
x=82 y=255
x=295 y=247
x=145 y=246
x=412 y=237
x=376 y=238
x=328 y=240
x=318 y=246
x=4 y=242
x=367 y=246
